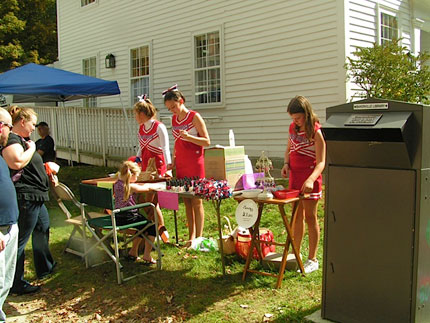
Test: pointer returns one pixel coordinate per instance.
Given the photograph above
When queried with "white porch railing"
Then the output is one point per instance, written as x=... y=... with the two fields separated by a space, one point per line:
x=97 y=136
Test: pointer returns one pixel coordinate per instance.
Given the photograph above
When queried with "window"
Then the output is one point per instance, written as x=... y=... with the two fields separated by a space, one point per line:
x=89 y=68
x=389 y=27
x=139 y=80
x=86 y=2
x=207 y=68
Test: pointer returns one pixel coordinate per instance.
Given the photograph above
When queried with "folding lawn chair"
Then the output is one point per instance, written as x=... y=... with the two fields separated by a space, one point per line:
x=75 y=244
x=104 y=228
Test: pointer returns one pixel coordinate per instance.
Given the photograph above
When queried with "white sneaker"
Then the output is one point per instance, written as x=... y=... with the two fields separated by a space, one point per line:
x=310 y=266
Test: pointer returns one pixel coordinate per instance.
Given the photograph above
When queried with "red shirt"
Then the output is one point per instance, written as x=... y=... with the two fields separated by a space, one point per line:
x=148 y=141
x=303 y=161
x=189 y=158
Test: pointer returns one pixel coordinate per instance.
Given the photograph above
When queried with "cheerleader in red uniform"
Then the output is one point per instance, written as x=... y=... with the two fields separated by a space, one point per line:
x=190 y=134
x=153 y=143
x=153 y=137
x=304 y=163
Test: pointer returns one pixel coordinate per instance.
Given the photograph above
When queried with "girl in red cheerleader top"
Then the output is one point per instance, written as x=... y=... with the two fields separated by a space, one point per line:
x=153 y=143
x=190 y=134
x=153 y=137
x=304 y=163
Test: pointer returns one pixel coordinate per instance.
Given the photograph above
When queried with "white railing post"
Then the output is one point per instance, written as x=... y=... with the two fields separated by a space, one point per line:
x=51 y=123
x=104 y=134
x=75 y=121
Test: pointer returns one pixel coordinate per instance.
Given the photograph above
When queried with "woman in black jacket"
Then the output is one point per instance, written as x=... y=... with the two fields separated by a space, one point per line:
x=32 y=188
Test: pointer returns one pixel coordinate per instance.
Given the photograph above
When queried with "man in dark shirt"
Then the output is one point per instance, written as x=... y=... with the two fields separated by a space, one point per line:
x=45 y=146
x=8 y=218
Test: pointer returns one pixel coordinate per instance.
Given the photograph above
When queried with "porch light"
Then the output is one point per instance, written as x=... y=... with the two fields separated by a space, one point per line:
x=110 y=61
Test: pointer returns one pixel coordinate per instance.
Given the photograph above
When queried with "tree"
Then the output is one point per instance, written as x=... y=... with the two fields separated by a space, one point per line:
x=10 y=26
x=28 y=33
x=390 y=71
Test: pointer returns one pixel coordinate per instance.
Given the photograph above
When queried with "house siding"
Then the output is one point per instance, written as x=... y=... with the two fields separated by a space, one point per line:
x=272 y=51
x=362 y=26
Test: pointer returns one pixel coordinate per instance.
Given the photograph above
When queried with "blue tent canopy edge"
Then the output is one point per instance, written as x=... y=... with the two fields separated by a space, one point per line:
x=39 y=83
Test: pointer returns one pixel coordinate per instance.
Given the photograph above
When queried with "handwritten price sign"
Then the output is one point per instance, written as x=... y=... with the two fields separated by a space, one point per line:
x=246 y=213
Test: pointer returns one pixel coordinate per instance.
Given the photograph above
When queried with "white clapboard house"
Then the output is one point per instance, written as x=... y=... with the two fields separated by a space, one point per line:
x=238 y=62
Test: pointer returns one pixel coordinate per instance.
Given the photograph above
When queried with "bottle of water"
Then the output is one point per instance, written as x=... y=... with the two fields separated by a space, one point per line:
x=231 y=138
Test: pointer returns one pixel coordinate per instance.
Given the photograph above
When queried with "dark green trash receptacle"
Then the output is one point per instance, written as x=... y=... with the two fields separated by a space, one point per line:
x=377 y=220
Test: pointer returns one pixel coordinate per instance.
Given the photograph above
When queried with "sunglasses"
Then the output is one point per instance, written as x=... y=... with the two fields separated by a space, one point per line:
x=6 y=124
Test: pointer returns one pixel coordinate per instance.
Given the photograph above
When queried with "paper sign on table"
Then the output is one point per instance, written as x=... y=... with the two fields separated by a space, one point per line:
x=168 y=200
x=105 y=184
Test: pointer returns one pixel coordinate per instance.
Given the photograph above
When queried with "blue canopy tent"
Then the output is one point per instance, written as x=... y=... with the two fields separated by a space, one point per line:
x=39 y=83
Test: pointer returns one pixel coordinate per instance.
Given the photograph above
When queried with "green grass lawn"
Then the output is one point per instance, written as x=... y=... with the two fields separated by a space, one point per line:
x=190 y=286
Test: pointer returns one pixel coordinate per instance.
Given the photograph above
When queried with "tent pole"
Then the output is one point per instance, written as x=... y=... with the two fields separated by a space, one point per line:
x=69 y=143
x=128 y=124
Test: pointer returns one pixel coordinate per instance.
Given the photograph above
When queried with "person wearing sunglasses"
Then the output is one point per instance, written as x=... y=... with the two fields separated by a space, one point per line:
x=8 y=218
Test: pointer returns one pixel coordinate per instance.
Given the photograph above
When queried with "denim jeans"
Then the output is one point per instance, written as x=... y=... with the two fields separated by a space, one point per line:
x=33 y=218
x=7 y=265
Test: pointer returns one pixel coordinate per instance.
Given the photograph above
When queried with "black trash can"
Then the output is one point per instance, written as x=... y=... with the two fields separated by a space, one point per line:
x=377 y=219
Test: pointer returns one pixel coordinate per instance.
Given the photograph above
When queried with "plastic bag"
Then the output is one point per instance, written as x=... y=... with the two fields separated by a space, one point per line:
x=52 y=169
x=204 y=244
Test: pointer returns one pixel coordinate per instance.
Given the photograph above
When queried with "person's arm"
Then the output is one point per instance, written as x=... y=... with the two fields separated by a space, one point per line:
x=46 y=145
x=164 y=142
x=320 y=153
x=285 y=169
x=2 y=242
x=137 y=188
x=39 y=147
x=172 y=164
x=16 y=157
x=200 y=125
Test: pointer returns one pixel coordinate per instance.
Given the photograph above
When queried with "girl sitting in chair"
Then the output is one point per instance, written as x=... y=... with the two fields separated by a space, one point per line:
x=124 y=190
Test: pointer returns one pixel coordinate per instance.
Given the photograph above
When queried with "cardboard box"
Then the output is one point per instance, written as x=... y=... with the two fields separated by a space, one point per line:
x=225 y=163
x=273 y=260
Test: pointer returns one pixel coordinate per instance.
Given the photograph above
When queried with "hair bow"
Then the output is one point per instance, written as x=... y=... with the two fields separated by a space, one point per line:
x=173 y=88
x=142 y=97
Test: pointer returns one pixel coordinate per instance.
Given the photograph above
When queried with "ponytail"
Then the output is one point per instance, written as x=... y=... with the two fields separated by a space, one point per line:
x=146 y=107
x=20 y=113
x=126 y=170
x=174 y=95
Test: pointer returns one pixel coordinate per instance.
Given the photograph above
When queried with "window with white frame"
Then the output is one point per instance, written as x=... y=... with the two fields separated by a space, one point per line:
x=139 y=73
x=207 y=68
x=389 y=27
x=86 y=2
x=89 y=68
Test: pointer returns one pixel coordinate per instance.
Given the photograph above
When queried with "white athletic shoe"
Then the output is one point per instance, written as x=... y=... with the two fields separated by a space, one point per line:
x=310 y=266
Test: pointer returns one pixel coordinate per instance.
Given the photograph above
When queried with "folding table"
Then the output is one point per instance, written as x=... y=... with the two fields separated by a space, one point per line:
x=255 y=240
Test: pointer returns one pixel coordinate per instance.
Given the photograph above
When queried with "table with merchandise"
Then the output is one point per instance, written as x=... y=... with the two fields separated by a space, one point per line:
x=255 y=239
x=215 y=191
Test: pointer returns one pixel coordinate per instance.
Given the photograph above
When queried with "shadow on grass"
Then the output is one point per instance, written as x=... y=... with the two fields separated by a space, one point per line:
x=189 y=287
x=177 y=291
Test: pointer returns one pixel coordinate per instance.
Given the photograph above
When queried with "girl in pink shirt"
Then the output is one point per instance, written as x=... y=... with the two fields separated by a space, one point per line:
x=125 y=189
